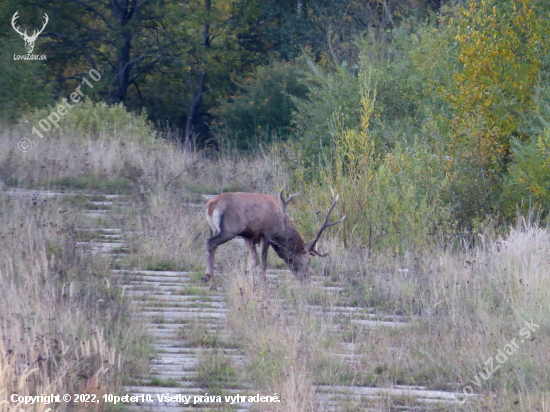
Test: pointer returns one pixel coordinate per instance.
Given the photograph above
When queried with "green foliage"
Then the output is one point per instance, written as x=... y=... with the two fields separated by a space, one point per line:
x=328 y=91
x=119 y=185
x=404 y=70
x=408 y=70
x=528 y=183
x=23 y=82
x=391 y=201
x=179 y=60
x=91 y=120
x=330 y=28
x=502 y=45
x=262 y=111
x=485 y=60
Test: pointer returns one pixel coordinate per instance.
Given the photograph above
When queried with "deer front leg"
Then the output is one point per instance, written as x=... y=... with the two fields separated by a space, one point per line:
x=264 y=247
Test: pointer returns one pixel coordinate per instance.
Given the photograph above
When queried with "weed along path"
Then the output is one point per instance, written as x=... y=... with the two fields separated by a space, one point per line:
x=338 y=348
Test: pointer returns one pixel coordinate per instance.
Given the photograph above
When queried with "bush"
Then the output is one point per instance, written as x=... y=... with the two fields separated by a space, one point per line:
x=527 y=184
x=502 y=46
x=263 y=110
x=329 y=91
x=391 y=201
x=404 y=71
x=89 y=120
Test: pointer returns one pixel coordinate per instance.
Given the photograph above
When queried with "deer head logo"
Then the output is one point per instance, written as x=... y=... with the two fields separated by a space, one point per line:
x=29 y=40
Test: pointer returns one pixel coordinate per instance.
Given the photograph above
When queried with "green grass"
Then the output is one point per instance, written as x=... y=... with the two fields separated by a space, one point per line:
x=199 y=336
x=216 y=371
x=166 y=383
x=118 y=185
x=194 y=290
x=164 y=265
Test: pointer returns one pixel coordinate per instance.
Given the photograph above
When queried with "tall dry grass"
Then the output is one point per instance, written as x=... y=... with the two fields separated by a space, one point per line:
x=49 y=161
x=65 y=328
x=277 y=343
x=462 y=307
x=78 y=159
x=63 y=325
x=170 y=225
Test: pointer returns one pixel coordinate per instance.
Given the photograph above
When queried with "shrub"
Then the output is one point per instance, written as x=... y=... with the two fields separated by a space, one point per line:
x=262 y=111
x=404 y=71
x=328 y=91
x=502 y=46
x=527 y=183
x=91 y=120
x=391 y=201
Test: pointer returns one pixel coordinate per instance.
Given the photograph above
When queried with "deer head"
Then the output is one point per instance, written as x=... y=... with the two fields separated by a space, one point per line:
x=29 y=40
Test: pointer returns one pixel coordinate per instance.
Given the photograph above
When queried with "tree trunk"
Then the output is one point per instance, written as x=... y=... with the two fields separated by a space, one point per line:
x=123 y=12
x=123 y=69
x=195 y=104
x=197 y=96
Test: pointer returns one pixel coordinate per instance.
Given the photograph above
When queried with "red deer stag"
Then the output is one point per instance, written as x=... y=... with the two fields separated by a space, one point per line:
x=259 y=218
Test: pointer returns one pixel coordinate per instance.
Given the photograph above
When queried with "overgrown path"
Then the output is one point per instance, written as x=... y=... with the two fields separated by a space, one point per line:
x=196 y=351
x=346 y=320
x=187 y=325
x=194 y=357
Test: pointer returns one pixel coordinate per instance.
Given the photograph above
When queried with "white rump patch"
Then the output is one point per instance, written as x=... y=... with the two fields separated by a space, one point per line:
x=214 y=221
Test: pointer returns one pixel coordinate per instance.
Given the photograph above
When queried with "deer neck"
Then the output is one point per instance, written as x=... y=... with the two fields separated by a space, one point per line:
x=288 y=243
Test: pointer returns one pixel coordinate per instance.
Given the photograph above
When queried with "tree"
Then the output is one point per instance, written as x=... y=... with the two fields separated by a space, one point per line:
x=123 y=39
x=502 y=45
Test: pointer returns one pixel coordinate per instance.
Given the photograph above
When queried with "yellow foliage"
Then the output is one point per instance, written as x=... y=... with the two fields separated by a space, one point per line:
x=500 y=49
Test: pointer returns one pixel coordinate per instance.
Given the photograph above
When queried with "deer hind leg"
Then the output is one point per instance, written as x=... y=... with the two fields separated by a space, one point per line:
x=211 y=245
x=249 y=242
x=264 y=247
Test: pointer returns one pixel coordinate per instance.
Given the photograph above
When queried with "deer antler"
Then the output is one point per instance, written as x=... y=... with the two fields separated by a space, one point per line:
x=311 y=244
x=24 y=34
x=286 y=202
x=46 y=20
x=15 y=17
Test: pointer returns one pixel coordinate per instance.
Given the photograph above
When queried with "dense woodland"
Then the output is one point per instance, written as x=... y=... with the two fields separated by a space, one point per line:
x=438 y=107
x=182 y=60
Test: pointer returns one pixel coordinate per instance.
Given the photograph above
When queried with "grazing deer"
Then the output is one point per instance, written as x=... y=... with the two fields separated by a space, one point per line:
x=259 y=218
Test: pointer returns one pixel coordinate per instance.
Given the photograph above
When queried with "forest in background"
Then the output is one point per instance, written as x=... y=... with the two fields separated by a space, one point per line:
x=431 y=117
x=180 y=61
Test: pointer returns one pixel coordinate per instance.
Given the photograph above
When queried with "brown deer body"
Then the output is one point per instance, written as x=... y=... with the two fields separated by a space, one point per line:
x=259 y=219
